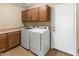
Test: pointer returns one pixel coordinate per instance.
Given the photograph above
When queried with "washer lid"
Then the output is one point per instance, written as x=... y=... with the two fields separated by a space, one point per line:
x=38 y=30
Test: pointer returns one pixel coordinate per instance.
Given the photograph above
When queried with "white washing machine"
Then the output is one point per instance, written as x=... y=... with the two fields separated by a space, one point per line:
x=39 y=41
x=25 y=37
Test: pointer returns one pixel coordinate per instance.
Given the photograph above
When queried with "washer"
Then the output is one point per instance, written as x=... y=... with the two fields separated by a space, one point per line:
x=25 y=37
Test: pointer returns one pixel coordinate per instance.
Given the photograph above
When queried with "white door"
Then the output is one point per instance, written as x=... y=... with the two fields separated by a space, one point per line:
x=63 y=38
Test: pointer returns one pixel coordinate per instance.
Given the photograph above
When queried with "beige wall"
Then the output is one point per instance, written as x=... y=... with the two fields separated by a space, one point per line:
x=37 y=24
x=10 y=16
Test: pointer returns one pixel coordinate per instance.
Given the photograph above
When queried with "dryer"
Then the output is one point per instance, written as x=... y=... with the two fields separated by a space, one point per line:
x=39 y=41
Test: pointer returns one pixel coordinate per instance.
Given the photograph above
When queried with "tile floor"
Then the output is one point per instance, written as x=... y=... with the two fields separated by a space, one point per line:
x=20 y=51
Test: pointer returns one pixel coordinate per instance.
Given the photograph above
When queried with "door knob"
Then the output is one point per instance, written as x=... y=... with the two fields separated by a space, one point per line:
x=54 y=28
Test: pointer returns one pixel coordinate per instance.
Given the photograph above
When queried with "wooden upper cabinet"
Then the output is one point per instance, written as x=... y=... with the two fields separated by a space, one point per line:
x=44 y=13
x=37 y=14
x=34 y=14
x=26 y=15
x=3 y=42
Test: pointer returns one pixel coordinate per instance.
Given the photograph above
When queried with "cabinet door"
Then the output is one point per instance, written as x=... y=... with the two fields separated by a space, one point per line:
x=26 y=15
x=44 y=13
x=3 y=42
x=14 y=38
x=23 y=16
x=35 y=14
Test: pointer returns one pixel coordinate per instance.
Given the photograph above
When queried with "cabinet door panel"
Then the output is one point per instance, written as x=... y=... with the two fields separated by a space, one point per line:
x=35 y=14
x=44 y=13
x=14 y=38
x=28 y=15
x=24 y=16
x=3 y=42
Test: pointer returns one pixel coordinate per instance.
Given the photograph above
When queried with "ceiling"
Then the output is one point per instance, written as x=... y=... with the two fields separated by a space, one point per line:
x=27 y=4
